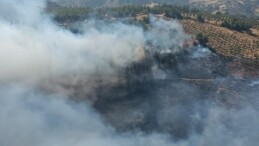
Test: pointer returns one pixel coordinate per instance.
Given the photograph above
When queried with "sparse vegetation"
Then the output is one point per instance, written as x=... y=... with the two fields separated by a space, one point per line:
x=227 y=35
x=224 y=41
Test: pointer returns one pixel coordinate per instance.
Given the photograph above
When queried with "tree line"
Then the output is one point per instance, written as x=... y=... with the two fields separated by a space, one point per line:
x=238 y=23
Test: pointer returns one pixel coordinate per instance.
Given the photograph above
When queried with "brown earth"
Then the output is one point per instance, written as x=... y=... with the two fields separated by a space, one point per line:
x=224 y=41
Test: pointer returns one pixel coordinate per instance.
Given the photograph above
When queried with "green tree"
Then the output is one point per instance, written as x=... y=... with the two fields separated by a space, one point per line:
x=203 y=40
x=200 y=19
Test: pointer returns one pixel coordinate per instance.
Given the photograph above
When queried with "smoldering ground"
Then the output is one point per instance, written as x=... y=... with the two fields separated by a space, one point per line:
x=134 y=88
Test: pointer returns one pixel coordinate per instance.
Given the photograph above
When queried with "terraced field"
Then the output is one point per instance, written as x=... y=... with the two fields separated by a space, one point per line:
x=224 y=41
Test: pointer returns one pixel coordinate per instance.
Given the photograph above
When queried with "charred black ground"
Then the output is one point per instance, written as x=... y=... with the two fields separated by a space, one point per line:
x=175 y=99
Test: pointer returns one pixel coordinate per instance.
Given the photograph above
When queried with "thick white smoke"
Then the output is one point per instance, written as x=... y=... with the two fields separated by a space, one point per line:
x=166 y=36
x=28 y=118
x=32 y=53
x=35 y=53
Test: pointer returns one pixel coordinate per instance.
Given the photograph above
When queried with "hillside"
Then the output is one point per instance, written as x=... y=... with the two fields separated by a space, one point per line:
x=100 y=3
x=241 y=7
x=224 y=41
x=231 y=36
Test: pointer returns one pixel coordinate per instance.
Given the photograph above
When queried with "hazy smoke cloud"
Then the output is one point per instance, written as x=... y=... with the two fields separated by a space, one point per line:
x=29 y=118
x=36 y=49
x=42 y=65
x=165 y=35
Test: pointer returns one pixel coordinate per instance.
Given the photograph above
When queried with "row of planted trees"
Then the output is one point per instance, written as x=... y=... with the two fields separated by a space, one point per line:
x=238 y=23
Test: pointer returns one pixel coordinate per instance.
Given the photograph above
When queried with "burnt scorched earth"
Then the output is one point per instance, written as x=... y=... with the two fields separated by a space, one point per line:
x=170 y=92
